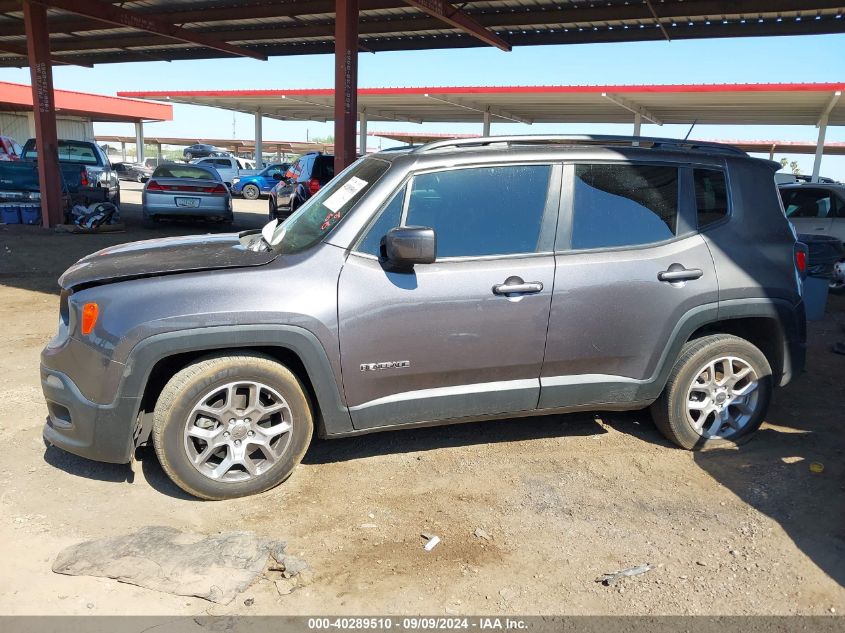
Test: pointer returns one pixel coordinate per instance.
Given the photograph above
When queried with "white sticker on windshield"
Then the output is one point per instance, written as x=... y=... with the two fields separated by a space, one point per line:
x=343 y=195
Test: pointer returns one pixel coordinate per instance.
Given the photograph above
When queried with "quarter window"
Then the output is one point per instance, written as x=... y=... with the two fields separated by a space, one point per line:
x=390 y=217
x=711 y=196
x=482 y=211
x=624 y=205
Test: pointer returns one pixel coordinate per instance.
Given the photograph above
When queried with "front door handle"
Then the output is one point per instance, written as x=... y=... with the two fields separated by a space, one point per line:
x=515 y=285
x=677 y=273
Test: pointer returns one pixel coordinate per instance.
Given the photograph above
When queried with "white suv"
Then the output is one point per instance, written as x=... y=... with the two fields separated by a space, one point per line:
x=818 y=209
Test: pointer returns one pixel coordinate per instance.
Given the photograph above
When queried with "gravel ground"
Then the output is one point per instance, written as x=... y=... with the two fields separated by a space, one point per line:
x=561 y=499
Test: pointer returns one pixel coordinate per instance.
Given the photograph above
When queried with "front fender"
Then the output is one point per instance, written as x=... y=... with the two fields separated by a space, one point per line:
x=334 y=415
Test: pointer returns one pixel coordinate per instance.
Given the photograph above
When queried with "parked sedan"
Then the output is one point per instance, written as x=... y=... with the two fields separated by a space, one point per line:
x=186 y=191
x=136 y=172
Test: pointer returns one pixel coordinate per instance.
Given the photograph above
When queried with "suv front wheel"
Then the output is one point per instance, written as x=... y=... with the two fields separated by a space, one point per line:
x=718 y=393
x=231 y=425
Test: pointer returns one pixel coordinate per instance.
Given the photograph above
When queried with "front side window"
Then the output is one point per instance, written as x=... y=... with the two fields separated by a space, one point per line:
x=623 y=205
x=711 y=196
x=482 y=211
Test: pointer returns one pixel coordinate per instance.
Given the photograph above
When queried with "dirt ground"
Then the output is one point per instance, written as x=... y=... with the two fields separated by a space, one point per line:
x=564 y=498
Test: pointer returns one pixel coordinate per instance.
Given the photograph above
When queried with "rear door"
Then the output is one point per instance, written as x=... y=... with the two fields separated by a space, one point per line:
x=447 y=340
x=630 y=266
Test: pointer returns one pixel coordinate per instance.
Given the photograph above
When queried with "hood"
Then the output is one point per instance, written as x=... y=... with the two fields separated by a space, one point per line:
x=164 y=256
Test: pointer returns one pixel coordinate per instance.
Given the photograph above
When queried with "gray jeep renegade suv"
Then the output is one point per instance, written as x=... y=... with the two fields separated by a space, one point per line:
x=457 y=281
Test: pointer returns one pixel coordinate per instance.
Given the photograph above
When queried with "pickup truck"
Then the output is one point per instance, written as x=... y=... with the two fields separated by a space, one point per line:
x=82 y=162
x=229 y=167
x=19 y=180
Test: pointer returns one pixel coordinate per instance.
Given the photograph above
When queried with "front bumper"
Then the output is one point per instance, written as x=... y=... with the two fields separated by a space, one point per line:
x=100 y=432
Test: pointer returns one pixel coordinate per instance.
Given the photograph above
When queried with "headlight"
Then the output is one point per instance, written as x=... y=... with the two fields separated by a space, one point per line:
x=235 y=181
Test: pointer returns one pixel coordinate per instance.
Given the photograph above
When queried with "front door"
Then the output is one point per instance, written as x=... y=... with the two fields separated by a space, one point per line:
x=449 y=339
x=630 y=269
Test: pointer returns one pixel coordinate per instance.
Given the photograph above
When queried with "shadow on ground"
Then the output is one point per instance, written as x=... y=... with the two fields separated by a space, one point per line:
x=806 y=424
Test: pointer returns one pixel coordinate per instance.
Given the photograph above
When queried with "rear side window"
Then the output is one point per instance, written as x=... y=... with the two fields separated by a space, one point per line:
x=711 y=196
x=482 y=211
x=624 y=205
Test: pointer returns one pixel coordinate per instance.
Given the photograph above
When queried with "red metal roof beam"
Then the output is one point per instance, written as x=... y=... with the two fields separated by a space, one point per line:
x=111 y=14
x=460 y=20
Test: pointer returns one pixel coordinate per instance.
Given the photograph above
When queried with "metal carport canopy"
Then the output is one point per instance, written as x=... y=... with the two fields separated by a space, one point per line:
x=726 y=104
x=42 y=33
x=94 y=32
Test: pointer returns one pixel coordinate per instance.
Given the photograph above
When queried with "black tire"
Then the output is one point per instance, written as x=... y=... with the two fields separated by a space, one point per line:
x=181 y=393
x=670 y=410
x=151 y=222
x=251 y=192
x=189 y=157
x=838 y=287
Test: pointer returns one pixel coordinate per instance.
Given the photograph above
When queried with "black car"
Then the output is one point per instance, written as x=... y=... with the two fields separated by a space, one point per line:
x=201 y=150
x=308 y=175
x=136 y=172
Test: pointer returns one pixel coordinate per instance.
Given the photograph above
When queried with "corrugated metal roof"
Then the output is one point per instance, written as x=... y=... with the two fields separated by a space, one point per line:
x=749 y=104
x=285 y=27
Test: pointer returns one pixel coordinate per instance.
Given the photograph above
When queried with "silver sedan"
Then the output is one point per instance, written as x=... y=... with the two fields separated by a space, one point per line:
x=177 y=191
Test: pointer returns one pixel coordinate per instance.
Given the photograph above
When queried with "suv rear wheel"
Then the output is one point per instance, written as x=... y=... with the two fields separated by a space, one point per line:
x=231 y=425
x=718 y=393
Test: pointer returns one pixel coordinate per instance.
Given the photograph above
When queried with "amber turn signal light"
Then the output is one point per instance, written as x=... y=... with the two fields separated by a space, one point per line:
x=90 y=312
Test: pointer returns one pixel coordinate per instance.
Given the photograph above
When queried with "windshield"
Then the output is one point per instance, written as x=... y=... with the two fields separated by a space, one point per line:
x=321 y=213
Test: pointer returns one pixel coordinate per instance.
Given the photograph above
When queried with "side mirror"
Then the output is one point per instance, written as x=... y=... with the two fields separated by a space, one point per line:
x=277 y=176
x=405 y=246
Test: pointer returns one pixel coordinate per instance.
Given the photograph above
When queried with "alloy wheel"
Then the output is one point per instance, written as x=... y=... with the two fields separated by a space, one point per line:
x=238 y=431
x=723 y=398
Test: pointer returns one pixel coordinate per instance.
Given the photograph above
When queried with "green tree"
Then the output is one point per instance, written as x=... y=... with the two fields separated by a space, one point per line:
x=793 y=165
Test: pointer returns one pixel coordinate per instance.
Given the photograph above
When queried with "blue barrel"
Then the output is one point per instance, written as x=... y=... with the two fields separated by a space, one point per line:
x=10 y=213
x=815 y=297
x=31 y=213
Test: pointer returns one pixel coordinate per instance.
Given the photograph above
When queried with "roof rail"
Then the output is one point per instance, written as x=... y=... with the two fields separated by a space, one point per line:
x=599 y=139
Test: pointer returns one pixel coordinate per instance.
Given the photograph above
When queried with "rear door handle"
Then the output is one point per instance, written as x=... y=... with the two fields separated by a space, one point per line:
x=515 y=285
x=677 y=272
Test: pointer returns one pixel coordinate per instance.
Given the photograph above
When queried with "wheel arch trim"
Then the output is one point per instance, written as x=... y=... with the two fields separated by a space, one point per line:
x=333 y=413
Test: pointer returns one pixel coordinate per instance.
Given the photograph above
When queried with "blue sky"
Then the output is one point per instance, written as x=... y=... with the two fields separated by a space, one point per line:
x=745 y=60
